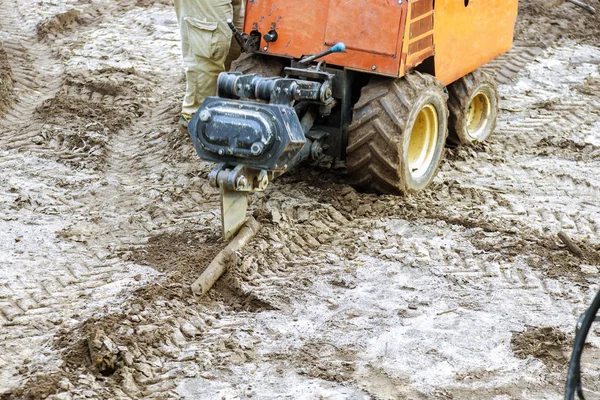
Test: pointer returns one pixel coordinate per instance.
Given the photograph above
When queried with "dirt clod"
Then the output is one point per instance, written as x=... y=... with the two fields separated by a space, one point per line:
x=103 y=352
x=40 y=387
x=548 y=344
x=58 y=23
x=63 y=110
x=81 y=128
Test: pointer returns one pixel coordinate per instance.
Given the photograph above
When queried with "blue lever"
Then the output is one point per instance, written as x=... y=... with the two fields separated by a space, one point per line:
x=337 y=48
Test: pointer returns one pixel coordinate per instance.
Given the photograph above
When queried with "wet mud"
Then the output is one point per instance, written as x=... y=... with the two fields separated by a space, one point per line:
x=6 y=82
x=109 y=218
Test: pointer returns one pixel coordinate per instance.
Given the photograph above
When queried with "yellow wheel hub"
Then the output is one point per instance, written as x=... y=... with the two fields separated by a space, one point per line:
x=478 y=115
x=423 y=141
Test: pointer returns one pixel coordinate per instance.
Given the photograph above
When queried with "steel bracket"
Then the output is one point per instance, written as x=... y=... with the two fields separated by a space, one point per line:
x=234 y=185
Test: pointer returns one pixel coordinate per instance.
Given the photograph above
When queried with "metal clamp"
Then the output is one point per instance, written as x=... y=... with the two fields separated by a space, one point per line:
x=240 y=179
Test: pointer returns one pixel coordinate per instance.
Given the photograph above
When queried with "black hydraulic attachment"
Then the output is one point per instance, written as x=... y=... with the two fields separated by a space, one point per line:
x=256 y=129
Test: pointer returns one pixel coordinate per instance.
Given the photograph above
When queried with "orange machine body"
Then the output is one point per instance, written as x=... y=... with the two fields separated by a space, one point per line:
x=388 y=37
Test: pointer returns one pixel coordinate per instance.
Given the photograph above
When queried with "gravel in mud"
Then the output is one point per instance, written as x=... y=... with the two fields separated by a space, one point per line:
x=463 y=291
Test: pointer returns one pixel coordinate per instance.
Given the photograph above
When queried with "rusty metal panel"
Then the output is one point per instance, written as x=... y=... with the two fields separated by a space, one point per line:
x=470 y=33
x=371 y=29
x=375 y=29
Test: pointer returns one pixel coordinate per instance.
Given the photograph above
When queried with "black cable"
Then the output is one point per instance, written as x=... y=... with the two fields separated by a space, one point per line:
x=574 y=375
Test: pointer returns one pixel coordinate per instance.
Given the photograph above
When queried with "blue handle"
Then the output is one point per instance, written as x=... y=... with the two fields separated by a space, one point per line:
x=338 y=48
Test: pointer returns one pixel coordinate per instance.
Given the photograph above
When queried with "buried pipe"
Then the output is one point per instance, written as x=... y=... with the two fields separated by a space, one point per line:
x=218 y=266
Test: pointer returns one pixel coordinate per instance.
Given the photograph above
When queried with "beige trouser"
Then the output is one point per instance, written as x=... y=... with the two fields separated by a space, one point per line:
x=206 y=41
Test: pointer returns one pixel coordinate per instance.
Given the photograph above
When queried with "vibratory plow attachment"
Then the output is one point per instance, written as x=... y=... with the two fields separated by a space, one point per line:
x=234 y=185
x=254 y=141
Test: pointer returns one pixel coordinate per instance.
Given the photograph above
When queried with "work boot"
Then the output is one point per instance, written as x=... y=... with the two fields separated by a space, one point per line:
x=183 y=125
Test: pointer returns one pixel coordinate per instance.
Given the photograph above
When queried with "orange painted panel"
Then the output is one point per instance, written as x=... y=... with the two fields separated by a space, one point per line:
x=467 y=33
x=371 y=29
x=467 y=37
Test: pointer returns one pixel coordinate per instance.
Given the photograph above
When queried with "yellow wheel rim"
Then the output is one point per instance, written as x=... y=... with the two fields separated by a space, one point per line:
x=478 y=115
x=423 y=141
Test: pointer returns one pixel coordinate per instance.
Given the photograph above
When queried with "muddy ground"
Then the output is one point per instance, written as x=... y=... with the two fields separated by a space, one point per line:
x=461 y=292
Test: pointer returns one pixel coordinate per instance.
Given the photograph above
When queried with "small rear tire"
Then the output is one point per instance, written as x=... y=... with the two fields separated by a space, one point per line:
x=473 y=105
x=398 y=133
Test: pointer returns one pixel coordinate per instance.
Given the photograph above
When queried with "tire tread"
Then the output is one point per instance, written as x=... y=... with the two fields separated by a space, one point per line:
x=460 y=93
x=375 y=136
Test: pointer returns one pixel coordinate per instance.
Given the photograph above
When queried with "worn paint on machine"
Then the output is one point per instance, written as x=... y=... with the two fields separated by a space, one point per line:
x=389 y=37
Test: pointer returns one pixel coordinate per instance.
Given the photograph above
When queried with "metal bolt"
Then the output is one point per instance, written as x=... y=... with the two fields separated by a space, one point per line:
x=242 y=182
x=316 y=150
x=205 y=116
x=256 y=148
x=265 y=48
x=374 y=67
x=263 y=181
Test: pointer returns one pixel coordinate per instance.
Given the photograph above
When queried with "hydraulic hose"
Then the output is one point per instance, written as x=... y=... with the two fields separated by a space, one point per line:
x=574 y=374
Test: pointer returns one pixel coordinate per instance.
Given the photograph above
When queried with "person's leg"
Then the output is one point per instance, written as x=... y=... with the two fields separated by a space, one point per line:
x=205 y=42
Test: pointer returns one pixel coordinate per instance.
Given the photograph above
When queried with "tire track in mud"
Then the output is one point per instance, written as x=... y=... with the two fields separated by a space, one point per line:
x=315 y=234
x=452 y=233
x=6 y=82
x=541 y=182
x=142 y=169
x=45 y=283
x=507 y=66
x=547 y=146
x=484 y=193
x=36 y=77
x=304 y=242
x=38 y=72
x=142 y=188
x=484 y=209
x=67 y=287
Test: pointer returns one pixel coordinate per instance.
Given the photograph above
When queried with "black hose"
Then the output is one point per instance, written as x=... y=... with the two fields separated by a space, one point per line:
x=574 y=375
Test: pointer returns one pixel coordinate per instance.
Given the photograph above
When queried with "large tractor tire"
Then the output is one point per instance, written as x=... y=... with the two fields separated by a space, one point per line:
x=473 y=105
x=398 y=133
x=265 y=66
